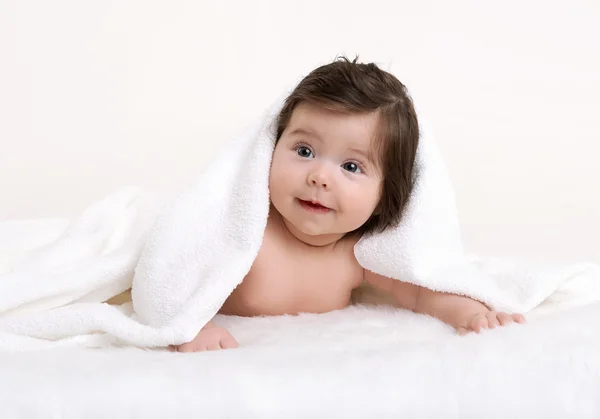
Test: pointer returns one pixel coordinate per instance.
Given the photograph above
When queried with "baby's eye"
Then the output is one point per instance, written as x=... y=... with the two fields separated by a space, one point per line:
x=352 y=167
x=304 y=152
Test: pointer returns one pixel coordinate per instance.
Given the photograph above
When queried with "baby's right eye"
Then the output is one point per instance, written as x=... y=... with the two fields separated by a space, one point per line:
x=303 y=151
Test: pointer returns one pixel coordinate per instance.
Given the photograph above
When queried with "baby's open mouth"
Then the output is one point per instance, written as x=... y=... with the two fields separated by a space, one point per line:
x=314 y=207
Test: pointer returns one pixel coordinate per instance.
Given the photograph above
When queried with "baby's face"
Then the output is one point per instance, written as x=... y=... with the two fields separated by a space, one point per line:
x=324 y=179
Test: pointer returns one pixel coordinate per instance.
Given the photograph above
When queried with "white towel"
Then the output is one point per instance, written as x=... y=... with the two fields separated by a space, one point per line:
x=202 y=245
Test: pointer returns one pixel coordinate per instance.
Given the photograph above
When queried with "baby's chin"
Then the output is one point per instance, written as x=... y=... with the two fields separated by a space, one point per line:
x=316 y=231
x=301 y=227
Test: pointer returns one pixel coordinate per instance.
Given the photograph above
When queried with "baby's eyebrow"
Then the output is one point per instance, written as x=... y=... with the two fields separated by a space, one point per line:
x=366 y=154
x=306 y=132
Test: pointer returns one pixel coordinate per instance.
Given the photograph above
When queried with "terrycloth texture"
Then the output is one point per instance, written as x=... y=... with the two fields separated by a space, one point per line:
x=201 y=246
x=214 y=233
x=55 y=274
x=356 y=363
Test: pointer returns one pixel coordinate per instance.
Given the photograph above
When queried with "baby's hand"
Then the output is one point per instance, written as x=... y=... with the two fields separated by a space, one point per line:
x=208 y=339
x=489 y=320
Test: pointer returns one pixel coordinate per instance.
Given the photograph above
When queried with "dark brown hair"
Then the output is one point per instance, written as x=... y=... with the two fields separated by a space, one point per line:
x=351 y=87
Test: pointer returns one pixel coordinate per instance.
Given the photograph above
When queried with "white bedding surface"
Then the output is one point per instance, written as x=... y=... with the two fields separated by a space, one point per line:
x=361 y=362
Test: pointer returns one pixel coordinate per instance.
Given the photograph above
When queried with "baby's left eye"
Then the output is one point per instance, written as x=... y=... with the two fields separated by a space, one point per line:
x=304 y=151
x=351 y=167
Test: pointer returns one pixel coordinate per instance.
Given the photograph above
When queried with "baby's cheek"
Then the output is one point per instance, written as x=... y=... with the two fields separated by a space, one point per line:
x=281 y=182
x=275 y=191
x=361 y=207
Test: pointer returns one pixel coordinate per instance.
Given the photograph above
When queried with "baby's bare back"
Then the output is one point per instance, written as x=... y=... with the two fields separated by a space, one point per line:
x=290 y=277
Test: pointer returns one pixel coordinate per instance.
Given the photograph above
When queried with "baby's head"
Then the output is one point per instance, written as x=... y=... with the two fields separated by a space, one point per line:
x=345 y=148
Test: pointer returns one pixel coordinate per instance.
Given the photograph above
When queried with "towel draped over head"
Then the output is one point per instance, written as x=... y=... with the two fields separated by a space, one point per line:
x=189 y=259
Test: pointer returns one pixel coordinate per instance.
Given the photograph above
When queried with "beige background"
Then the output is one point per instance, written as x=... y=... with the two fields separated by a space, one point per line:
x=95 y=95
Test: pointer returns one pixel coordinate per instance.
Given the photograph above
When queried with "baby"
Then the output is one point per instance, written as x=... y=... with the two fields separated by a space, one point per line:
x=342 y=167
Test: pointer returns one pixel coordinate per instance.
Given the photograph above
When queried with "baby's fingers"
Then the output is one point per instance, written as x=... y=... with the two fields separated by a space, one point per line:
x=462 y=331
x=192 y=347
x=493 y=319
x=504 y=318
x=478 y=323
x=228 y=342
x=213 y=346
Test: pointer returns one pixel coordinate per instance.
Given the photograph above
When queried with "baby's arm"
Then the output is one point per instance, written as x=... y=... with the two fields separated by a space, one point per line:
x=463 y=313
x=210 y=338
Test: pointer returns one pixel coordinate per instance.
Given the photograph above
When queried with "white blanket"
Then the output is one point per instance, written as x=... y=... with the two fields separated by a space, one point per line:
x=355 y=363
x=200 y=247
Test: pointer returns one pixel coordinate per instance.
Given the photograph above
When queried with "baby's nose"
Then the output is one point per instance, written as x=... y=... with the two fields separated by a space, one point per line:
x=318 y=179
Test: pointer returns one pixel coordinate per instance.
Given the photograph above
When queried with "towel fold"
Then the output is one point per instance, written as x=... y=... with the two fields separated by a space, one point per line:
x=183 y=264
